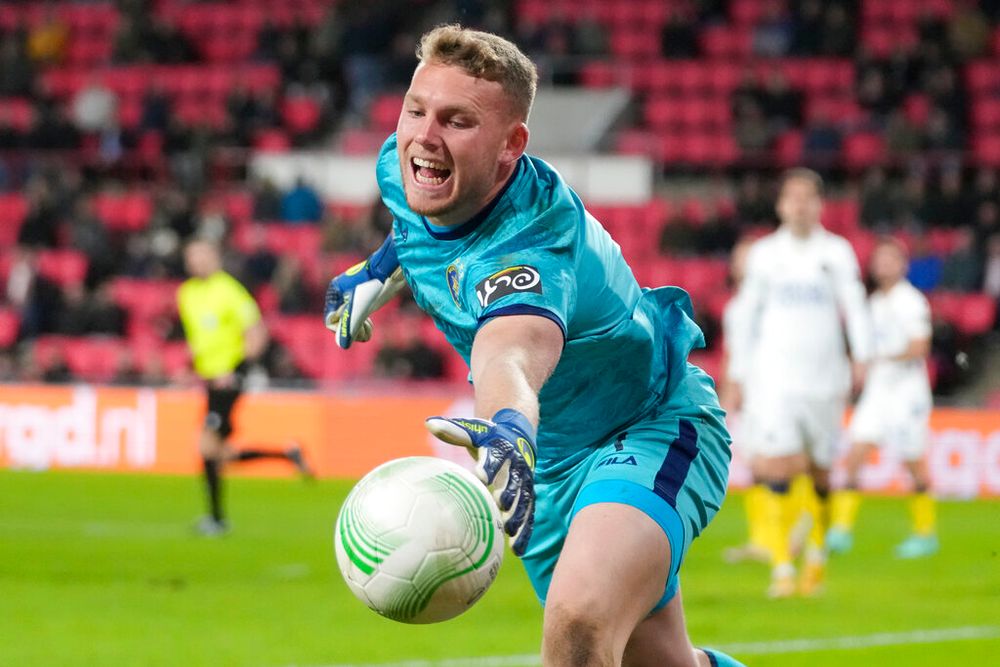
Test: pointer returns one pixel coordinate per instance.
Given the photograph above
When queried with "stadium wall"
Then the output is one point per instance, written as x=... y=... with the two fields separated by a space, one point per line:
x=153 y=430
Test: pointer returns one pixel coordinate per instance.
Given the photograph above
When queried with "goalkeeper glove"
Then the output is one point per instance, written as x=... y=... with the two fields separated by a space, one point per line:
x=358 y=292
x=504 y=449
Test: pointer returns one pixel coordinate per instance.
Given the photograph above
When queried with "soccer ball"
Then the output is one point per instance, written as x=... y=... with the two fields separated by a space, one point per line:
x=419 y=540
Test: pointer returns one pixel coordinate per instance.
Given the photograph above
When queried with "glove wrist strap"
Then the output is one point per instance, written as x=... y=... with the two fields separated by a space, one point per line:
x=516 y=420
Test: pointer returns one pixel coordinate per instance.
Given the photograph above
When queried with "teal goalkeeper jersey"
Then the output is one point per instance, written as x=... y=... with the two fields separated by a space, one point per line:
x=535 y=250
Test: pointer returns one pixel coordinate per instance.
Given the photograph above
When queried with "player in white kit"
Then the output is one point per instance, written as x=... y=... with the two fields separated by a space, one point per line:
x=894 y=409
x=801 y=283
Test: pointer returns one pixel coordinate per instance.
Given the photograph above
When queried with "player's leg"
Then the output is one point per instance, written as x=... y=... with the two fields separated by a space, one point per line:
x=612 y=571
x=923 y=541
x=214 y=453
x=822 y=423
x=845 y=502
x=780 y=513
x=664 y=633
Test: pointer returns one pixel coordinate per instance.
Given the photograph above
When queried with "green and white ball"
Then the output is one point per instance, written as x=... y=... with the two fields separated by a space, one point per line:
x=419 y=540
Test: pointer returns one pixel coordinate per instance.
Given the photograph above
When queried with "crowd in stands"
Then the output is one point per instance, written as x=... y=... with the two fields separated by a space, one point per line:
x=125 y=130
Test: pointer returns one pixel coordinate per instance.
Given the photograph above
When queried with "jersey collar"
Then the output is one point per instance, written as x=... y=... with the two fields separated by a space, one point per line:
x=470 y=225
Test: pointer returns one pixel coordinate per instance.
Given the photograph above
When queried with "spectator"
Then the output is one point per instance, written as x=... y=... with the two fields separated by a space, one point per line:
x=166 y=44
x=986 y=187
x=987 y=223
x=925 y=266
x=753 y=204
x=268 y=39
x=874 y=94
x=266 y=199
x=941 y=133
x=772 y=35
x=968 y=33
x=752 y=131
x=808 y=23
x=902 y=138
x=156 y=108
x=291 y=287
x=89 y=235
x=16 y=71
x=40 y=228
x=153 y=372
x=838 y=38
x=36 y=299
x=948 y=205
x=281 y=367
x=56 y=370
x=590 y=37
x=47 y=41
x=823 y=140
x=10 y=136
x=781 y=104
x=301 y=204
x=129 y=41
x=260 y=262
x=876 y=200
x=53 y=130
x=910 y=202
x=962 y=267
x=679 y=36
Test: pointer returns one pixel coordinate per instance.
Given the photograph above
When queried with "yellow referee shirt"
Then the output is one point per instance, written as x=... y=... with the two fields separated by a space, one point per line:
x=215 y=311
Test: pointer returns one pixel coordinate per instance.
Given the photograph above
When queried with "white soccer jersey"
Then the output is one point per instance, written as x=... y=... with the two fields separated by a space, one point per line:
x=899 y=317
x=794 y=294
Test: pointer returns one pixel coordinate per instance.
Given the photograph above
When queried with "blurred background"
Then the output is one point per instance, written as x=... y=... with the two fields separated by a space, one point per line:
x=128 y=127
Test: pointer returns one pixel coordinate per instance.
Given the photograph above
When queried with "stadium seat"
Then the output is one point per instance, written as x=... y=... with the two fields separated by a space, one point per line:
x=94 y=359
x=863 y=150
x=64 y=267
x=13 y=209
x=130 y=211
x=10 y=326
x=301 y=114
x=976 y=314
x=384 y=112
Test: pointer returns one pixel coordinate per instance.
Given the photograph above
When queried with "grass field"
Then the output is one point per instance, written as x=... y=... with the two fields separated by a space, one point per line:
x=103 y=570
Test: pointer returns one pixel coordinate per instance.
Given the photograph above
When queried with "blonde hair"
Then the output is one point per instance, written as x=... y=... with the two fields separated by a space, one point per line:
x=805 y=174
x=484 y=56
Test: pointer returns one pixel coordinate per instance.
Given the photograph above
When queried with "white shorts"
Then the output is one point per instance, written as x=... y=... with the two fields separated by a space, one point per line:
x=776 y=424
x=895 y=419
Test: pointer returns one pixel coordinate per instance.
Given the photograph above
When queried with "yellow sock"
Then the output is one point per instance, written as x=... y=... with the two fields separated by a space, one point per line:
x=819 y=508
x=844 y=509
x=755 y=507
x=924 y=515
x=777 y=515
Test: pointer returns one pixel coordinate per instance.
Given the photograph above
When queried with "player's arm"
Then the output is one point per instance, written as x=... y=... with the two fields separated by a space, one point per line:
x=917 y=348
x=355 y=294
x=744 y=323
x=255 y=340
x=512 y=357
x=852 y=301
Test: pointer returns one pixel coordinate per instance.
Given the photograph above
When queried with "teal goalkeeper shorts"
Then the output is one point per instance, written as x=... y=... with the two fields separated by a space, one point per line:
x=673 y=466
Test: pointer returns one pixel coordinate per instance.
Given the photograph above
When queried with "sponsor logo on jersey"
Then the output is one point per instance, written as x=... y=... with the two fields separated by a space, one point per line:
x=618 y=461
x=522 y=278
x=454 y=280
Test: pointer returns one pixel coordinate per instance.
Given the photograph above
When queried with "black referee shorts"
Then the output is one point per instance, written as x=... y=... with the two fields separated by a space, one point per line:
x=220 y=408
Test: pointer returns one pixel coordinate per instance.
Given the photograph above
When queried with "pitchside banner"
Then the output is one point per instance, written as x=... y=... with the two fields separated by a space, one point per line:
x=154 y=430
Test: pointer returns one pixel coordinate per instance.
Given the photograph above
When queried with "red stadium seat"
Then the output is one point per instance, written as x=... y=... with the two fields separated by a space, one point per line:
x=271 y=141
x=94 y=359
x=13 y=209
x=384 y=113
x=863 y=150
x=130 y=211
x=976 y=314
x=64 y=267
x=301 y=114
x=10 y=326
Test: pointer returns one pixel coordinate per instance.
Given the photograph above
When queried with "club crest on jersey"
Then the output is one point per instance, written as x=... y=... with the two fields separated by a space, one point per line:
x=454 y=280
x=513 y=279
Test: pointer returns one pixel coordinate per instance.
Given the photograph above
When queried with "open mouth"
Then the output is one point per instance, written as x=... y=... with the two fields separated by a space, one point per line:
x=429 y=172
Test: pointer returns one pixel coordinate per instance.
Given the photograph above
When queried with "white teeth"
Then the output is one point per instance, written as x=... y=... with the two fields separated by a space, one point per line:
x=420 y=162
x=423 y=180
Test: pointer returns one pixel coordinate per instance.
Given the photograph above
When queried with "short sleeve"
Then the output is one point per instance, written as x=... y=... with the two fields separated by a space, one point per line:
x=916 y=318
x=244 y=307
x=533 y=281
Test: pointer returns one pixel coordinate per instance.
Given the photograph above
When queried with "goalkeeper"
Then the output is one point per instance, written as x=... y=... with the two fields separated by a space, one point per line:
x=606 y=449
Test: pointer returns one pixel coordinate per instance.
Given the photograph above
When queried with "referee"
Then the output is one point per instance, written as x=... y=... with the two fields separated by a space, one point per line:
x=225 y=332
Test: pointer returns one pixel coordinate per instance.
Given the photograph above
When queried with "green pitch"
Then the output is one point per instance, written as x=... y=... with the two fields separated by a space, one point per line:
x=103 y=570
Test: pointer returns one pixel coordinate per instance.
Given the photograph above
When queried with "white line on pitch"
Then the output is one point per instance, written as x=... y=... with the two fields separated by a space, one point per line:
x=775 y=647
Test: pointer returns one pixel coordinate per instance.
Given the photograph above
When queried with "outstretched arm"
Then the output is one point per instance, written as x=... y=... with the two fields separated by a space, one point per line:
x=512 y=357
